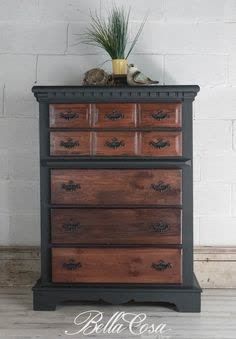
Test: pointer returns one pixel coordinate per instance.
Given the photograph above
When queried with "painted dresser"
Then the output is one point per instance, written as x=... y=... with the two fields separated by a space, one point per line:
x=116 y=195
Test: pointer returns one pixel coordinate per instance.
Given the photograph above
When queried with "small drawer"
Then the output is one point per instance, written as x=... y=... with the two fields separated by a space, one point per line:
x=116 y=265
x=161 y=144
x=160 y=114
x=106 y=187
x=115 y=143
x=69 y=115
x=70 y=143
x=114 y=115
x=116 y=226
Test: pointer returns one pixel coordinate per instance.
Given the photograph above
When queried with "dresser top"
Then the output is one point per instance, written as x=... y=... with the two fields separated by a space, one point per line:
x=56 y=94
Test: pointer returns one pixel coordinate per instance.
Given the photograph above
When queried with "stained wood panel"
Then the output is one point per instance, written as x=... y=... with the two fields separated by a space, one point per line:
x=116 y=226
x=116 y=265
x=160 y=114
x=116 y=187
x=69 y=115
x=114 y=115
x=70 y=143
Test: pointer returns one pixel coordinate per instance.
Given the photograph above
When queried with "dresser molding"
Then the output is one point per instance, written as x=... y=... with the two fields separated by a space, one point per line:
x=79 y=168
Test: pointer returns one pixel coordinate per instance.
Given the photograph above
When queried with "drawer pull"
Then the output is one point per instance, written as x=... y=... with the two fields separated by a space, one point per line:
x=71 y=265
x=69 y=115
x=160 y=115
x=161 y=187
x=70 y=143
x=159 y=143
x=161 y=266
x=161 y=227
x=71 y=227
x=114 y=143
x=70 y=187
x=114 y=115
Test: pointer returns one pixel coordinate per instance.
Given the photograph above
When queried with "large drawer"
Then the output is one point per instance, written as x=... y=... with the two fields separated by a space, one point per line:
x=116 y=187
x=116 y=265
x=116 y=226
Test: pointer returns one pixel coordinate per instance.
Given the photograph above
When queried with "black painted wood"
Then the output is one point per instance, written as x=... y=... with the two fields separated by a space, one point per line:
x=47 y=295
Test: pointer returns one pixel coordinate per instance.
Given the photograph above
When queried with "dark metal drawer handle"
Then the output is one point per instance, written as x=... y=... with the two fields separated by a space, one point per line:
x=114 y=115
x=160 y=115
x=71 y=186
x=70 y=143
x=161 y=227
x=161 y=187
x=161 y=266
x=160 y=143
x=114 y=143
x=71 y=265
x=69 y=115
x=71 y=227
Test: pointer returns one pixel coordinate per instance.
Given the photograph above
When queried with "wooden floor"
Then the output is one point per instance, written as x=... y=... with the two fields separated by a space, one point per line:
x=217 y=319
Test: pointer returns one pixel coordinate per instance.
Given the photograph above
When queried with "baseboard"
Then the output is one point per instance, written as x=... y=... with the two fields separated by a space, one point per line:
x=215 y=267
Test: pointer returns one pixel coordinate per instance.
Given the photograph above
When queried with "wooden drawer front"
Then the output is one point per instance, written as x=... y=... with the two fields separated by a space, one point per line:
x=115 y=143
x=69 y=115
x=70 y=143
x=116 y=187
x=116 y=226
x=116 y=265
x=114 y=115
x=160 y=115
x=158 y=144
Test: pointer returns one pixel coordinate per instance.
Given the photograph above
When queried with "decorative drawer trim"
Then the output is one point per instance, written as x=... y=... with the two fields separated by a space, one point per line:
x=125 y=94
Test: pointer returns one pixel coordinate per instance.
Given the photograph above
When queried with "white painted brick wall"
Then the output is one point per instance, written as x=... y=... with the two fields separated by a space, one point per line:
x=183 y=42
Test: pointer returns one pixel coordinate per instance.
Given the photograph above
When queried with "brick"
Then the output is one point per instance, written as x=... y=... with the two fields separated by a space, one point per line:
x=4 y=207
x=204 y=70
x=22 y=135
x=211 y=199
x=194 y=10
x=221 y=229
x=33 y=38
x=19 y=100
x=23 y=196
x=75 y=41
x=229 y=38
x=25 y=229
x=152 y=7
x=19 y=10
x=180 y=38
x=233 y=203
x=212 y=136
x=24 y=166
x=196 y=231
x=67 y=10
x=230 y=11
x=151 y=65
x=3 y=164
x=67 y=69
x=196 y=168
x=4 y=230
x=1 y=99
x=216 y=103
x=232 y=69
x=219 y=168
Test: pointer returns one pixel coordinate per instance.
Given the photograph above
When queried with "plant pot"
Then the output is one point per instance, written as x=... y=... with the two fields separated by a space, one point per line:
x=119 y=66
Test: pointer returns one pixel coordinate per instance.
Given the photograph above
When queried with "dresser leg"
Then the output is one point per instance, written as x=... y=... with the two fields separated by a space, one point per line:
x=42 y=302
x=189 y=303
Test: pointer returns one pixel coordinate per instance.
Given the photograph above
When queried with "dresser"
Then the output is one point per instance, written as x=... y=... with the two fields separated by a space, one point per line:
x=116 y=196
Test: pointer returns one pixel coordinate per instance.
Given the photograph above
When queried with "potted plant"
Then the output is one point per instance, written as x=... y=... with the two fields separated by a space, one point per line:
x=112 y=35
